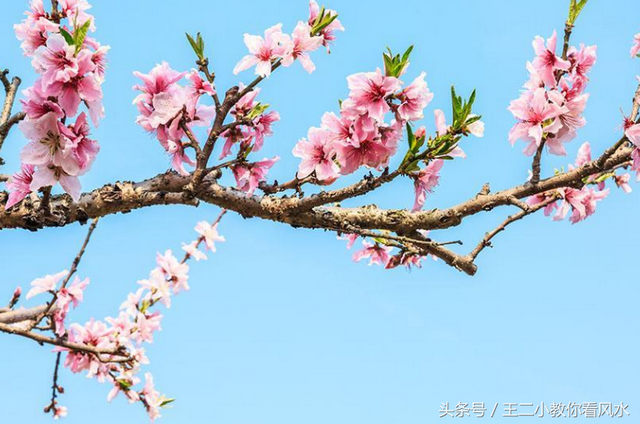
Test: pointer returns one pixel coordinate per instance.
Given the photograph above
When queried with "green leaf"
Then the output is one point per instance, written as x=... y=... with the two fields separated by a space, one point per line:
x=257 y=110
x=124 y=384
x=166 y=402
x=575 y=8
x=80 y=34
x=68 y=37
x=194 y=45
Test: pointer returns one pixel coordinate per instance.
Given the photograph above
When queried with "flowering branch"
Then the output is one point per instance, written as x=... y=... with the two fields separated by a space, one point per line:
x=367 y=131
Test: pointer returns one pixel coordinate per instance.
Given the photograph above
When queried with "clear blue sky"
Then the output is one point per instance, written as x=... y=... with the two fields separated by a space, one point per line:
x=280 y=326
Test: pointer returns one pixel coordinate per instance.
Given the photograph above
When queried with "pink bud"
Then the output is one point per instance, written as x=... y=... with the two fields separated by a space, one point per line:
x=421 y=132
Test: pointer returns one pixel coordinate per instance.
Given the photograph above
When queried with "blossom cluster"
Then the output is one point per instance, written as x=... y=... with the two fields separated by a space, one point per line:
x=379 y=252
x=126 y=334
x=71 y=67
x=581 y=202
x=550 y=109
x=278 y=47
x=170 y=110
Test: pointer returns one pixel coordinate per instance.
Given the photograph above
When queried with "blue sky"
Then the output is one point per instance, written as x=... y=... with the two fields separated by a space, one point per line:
x=280 y=326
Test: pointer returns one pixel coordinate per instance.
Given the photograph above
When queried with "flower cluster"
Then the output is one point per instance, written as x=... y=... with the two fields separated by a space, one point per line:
x=550 y=109
x=125 y=335
x=71 y=66
x=170 y=110
x=378 y=252
x=278 y=47
x=632 y=132
x=64 y=297
x=580 y=202
x=360 y=136
x=635 y=48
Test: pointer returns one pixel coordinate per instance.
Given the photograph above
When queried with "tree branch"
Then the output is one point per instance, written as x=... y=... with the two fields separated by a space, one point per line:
x=486 y=241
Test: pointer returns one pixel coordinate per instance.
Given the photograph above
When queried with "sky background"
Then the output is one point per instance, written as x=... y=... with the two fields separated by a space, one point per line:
x=280 y=326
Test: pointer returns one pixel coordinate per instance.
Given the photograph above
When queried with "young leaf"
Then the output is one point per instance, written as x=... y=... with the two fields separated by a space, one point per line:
x=68 y=37
x=197 y=45
x=80 y=34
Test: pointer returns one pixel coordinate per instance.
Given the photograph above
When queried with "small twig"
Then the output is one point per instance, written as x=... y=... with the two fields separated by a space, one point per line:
x=193 y=141
x=72 y=270
x=78 y=347
x=535 y=166
x=45 y=203
x=55 y=388
x=203 y=66
x=6 y=120
x=293 y=184
x=568 y=28
x=486 y=241
x=201 y=239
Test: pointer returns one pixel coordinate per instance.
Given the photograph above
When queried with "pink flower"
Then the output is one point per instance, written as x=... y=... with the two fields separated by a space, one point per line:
x=262 y=128
x=415 y=97
x=160 y=79
x=249 y=175
x=365 y=147
x=377 y=254
x=475 y=128
x=581 y=63
x=38 y=102
x=262 y=51
x=45 y=284
x=584 y=155
x=341 y=129
x=178 y=156
x=546 y=62
x=47 y=146
x=130 y=306
x=302 y=43
x=327 y=34
x=317 y=153
x=441 y=123
x=46 y=176
x=93 y=333
x=233 y=136
x=425 y=181
x=192 y=250
x=408 y=260
x=622 y=181
x=81 y=148
x=350 y=238
x=82 y=87
x=56 y=60
x=99 y=59
x=75 y=11
x=152 y=398
x=633 y=134
x=581 y=202
x=159 y=287
x=19 y=185
x=199 y=86
x=635 y=166
x=572 y=119
x=34 y=31
x=370 y=90
x=635 y=49
x=73 y=294
x=59 y=412
x=174 y=271
x=147 y=325
x=209 y=234
x=123 y=383
x=537 y=116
